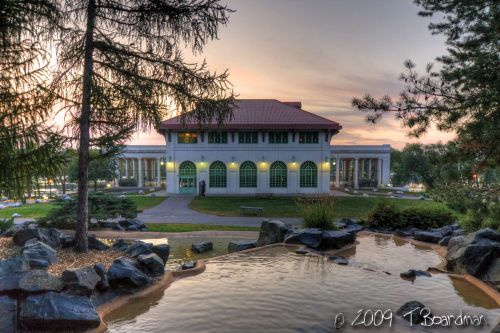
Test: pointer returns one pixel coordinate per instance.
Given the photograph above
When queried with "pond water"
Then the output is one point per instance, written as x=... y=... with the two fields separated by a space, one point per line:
x=276 y=290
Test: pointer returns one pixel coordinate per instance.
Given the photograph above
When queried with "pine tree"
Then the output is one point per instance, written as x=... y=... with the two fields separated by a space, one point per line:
x=464 y=94
x=122 y=69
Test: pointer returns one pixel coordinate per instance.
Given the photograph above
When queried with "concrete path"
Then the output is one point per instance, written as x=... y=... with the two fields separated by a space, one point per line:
x=175 y=209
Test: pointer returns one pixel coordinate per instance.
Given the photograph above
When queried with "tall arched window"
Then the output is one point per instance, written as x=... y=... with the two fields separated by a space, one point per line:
x=217 y=174
x=187 y=178
x=248 y=174
x=278 y=174
x=308 y=174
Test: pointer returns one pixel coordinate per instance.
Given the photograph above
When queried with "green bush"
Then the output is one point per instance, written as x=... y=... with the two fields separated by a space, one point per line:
x=101 y=207
x=426 y=218
x=318 y=213
x=384 y=215
x=6 y=224
x=387 y=216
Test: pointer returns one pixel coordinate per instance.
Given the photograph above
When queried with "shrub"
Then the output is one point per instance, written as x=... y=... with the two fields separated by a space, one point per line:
x=127 y=182
x=318 y=213
x=387 y=216
x=426 y=218
x=101 y=207
x=384 y=215
x=6 y=224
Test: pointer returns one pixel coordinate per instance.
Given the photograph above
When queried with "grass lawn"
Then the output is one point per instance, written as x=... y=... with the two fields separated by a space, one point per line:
x=358 y=207
x=42 y=209
x=181 y=227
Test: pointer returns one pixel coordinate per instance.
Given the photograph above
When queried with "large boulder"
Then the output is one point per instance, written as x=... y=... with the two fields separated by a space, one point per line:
x=240 y=245
x=57 y=312
x=38 y=254
x=80 y=281
x=50 y=236
x=12 y=271
x=476 y=254
x=414 y=312
x=38 y=280
x=353 y=228
x=151 y=264
x=137 y=248
x=201 y=247
x=8 y=315
x=272 y=232
x=310 y=237
x=163 y=251
x=124 y=273
x=428 y=236
x=336 y=239
x=96 y=244
x=103 y=283
x=121 y=245
x=67 y=241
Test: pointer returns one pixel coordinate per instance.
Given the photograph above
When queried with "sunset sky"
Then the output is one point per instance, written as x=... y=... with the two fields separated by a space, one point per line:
x=323 y=53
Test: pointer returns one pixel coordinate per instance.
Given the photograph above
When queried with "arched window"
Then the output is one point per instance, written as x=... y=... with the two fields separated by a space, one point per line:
x=187 y=169
x=308 y=174
x=248 y=174
x=187 y=178
x=217 y=174
x=278 y=174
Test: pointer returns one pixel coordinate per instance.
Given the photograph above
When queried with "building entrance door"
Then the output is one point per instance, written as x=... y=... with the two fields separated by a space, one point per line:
x=187 y=178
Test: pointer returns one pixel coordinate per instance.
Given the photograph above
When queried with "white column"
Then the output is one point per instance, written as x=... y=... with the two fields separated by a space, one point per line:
x=356 y=183
x=379 y=172
x=158 y=174
x=139 y=172
x=126 y=168
x=370 y=168
x=132 y=166
x=337 y=173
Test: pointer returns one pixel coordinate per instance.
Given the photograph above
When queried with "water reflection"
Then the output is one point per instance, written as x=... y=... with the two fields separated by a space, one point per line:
x=276 y=290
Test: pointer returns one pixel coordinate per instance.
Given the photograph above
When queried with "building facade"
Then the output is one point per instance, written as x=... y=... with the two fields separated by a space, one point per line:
x=267 y=147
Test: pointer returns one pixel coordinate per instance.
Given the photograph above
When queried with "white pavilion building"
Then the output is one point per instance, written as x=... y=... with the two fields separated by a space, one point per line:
x=268 y=147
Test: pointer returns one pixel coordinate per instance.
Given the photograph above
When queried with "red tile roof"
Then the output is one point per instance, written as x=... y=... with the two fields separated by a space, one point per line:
x=264 y=114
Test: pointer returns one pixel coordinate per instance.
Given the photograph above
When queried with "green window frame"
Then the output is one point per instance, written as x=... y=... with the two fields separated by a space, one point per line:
x=247 y=137
x=308 y=174
x=278 y=175
x=187 y=169
x=278 y=137
x=217 y=137
x=248 y=174
x=187 y=137
x=308 y=137
x=217 y=175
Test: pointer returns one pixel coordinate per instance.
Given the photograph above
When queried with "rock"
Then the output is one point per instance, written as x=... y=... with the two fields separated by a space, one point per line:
x=124 y=223
x=412 y=274
x=96 y=244
x=103 y=283
x=302 y=250
x=67 y=241
x=188 y=265
x=137 y=248
x=487 y=234
x=38 y=280
x=310 y=237
x=428 y=236
x=202 y=247
x=414 y=312
x=444 y=241
x=80 y=281
x=347 y=221
x=119 y=227
x=50 y=236
x=162 y=250
x=340 y=225
x=12 y=270
x=354 y=228
x=38 y=254
x=54 y=311
x=272 y=232
x=492 y=275
x=151 y=264
x=106 y=224
x=339 y=260
x=124 y=273
x=240 y=245
x=444 y=231
x=121 y=245
x=133 y=227
x=336 y=239
x=8 y=315
x=403 y=233
x=457 y=232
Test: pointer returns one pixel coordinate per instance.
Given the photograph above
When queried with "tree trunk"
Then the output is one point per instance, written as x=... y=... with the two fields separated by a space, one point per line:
x=82 y=212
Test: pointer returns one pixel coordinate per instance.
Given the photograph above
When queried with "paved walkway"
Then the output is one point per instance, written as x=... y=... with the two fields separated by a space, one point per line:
x=175 y=209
